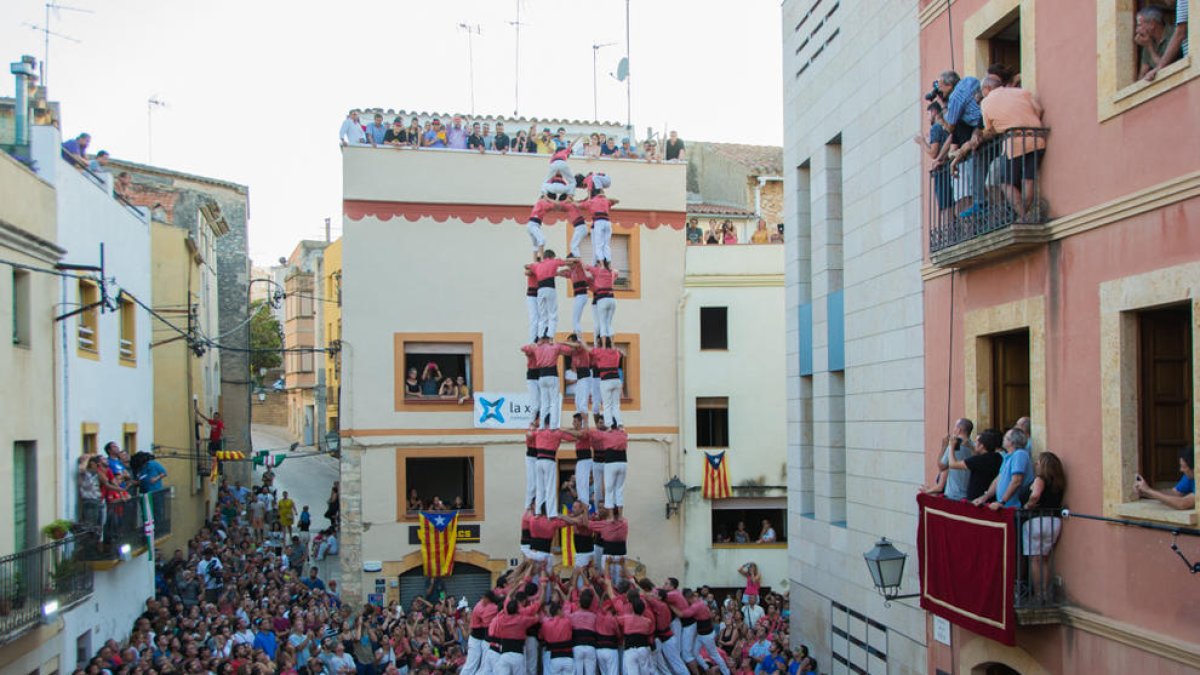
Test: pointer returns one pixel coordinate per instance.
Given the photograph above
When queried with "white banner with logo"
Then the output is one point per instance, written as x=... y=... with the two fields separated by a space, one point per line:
x=505 y=410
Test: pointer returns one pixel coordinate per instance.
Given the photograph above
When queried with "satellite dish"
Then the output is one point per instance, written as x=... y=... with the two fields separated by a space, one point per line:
x=623 y=69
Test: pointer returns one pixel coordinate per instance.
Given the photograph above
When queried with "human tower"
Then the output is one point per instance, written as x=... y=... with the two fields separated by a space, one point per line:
x=600 y=621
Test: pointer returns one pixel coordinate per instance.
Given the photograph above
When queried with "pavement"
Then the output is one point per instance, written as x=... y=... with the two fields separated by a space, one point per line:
x=306 y=479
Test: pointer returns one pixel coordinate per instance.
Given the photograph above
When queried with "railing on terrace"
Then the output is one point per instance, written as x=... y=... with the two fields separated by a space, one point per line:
x=993 y=188
x=123 y=523
x=100 y=182
x=54 y=572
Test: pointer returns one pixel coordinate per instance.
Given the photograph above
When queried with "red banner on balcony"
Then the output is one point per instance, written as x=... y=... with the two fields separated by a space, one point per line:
x=968 y=558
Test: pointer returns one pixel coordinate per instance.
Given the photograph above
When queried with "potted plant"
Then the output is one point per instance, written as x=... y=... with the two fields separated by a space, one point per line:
x=57 y=529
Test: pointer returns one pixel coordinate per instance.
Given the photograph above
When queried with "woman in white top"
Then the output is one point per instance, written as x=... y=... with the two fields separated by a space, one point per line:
x=768 y=533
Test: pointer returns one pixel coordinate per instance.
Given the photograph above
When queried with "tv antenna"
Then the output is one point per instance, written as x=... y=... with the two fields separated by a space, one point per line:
x=151 y=103
x=472 y=30
x=595 y=97
x=517 y=66
x=47 y=33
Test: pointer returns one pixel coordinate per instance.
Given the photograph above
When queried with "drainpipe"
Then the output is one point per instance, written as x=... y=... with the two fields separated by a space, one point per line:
x=762 y=180
x=23 y=70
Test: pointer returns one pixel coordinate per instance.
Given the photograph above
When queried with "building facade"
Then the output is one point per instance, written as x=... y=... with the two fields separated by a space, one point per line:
x=330 y=309
x=1085 y=320
x=855 y=354
x=737 y=184
x=301 y=331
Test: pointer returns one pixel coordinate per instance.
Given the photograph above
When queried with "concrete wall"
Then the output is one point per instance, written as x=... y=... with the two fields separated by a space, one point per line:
x=748 y=281
x=852 y=215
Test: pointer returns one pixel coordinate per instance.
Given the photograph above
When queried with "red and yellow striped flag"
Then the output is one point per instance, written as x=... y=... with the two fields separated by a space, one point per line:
x=567 y=543
x=438 y=532
x=716 y=477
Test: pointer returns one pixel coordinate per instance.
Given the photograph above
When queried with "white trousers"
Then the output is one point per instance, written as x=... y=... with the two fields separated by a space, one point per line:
x=608 y=661
x=510 y=663
x=605 y=309
x=601 y=240
x=531 y=481
x=547 y=302
x=562 y=665
x=535 y=397
x=531 y=656
x=687 y=645
x=577 y=237
x=585 y=659
x=637 y=661
x=559 y=168
x=672 y=656
x=531 y=306
x=583 y=480
x=709 y=644
x=614 y=484
x=491 y=662
x=547 y=487
x=535 y=234
x=577 y=305
x=548 y=399
x=476 y=650
x=584 y=389
x=610 y=394
x=598 y=483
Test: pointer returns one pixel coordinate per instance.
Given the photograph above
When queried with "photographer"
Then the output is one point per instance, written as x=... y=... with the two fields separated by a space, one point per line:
x=963 y=119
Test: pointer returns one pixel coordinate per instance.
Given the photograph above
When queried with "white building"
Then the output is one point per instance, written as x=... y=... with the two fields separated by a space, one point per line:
x=854 y=325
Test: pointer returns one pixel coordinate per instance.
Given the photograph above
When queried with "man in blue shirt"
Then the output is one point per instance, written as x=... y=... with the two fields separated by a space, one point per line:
x=264 y=639
x=151 y=476
x=1183 y=495
x=964 y=118
x=377 y=130
x=1015 y=471
x=78 y=146
x=313 y=581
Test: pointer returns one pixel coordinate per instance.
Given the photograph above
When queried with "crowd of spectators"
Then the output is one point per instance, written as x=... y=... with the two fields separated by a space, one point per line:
x=459 y=134
x=108 y=485
x=432 y=384
x=740 y=535
x=434 y=503
x=726 y=233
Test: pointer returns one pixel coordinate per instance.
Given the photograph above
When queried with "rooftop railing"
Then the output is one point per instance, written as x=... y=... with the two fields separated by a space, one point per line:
x=33 y=579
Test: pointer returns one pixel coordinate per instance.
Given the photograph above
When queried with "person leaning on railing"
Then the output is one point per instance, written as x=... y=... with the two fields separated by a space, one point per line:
x=1040 y=531
x=1006 y=108
x=1181 y=497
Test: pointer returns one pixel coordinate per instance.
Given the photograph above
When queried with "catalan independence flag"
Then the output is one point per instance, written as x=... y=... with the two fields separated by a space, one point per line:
x=716 y=477
x=567 y=543
x=438 y=532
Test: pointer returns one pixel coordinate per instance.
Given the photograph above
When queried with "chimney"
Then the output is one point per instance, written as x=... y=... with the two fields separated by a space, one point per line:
x=23 y=70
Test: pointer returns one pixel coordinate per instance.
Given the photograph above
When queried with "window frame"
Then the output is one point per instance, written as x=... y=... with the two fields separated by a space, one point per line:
x=631 y=393
x=634 y=290
x=747 y=504
x=712 y=403
x=724 y=310
x=127 y=340
x=88 y=293
x=1114 y=34
x=22 y=298
x=475 y=454
x=129 y=438
x=401 y=403
x=1146 y=461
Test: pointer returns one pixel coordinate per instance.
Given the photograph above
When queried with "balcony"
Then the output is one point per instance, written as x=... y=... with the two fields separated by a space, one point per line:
x=990 y=204
x=120 y=531
x=31 y=579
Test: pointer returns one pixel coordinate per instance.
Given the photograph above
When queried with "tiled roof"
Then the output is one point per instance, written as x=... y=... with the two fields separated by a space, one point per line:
x=710 y=209
x=507 y=119
x=763 y=160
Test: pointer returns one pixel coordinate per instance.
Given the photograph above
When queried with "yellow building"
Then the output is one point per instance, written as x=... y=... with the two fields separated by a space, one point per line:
x=330 y=310
x=185 y=292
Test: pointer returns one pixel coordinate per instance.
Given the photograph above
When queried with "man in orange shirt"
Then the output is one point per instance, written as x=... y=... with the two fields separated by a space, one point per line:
x=1006 y=108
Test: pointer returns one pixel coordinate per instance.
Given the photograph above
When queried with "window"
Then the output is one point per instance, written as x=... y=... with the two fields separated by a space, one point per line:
x=753 y=515
x=626 y=247
x=306 y=362
x=714 y=329
x=1167 y=7
x=1165 y=391
x=712 y=422
x=83 y=647
x=129 y=439
x=89 y=319
x=20 y=307
x=24 y=495
x=858 y=643
x=128 y=311
x=1004 y=46
x=434 y=363
x=1010 y=378
x=90 y=444
x=432 y=358
x=445 y=473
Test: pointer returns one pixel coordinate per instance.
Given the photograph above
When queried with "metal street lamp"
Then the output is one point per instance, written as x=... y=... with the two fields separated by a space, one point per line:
x=886 y=565
x=675 y=491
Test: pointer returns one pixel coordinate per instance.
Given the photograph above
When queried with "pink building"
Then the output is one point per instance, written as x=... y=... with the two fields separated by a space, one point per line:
x=1079 y=308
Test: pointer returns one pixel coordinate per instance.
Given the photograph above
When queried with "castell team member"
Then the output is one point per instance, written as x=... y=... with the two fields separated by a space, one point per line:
x=546 y=271
x=667 y=656
x=577 y=274
x=477 y=644
x=583 y=632
x=601 y=279
x=590 y=182
x=560 y=183
x=531 y=304
x=584 y=543
x=531 y=475
x=587 y=387
x=705 y=635
x=508 y=631
x=541 y=538
x=616 y=445
x=599 y=206
x=614 y=533
x=606 y=365
x=541 y=207
x=526 y=537
x=545 y=361
x=557 y=633
x=546 y=441
x=683 y=627
x=599 y=459
x=583 y=457
x=606 y=643
x=637 y=625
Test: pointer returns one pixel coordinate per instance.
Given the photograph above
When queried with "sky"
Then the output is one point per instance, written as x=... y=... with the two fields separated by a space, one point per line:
x=255 y=90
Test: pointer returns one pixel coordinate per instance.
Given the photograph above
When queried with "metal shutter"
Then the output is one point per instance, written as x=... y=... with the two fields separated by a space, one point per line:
x=468 y=580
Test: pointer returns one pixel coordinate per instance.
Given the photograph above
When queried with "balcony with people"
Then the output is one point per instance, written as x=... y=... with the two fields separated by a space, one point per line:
x=985 y=144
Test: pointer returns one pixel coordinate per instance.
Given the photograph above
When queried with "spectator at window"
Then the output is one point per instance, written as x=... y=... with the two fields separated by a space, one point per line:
x=151 y=475
x=435 y=136
x=609 y=148
x=430 y=379
x=545 y=142
x=91 y=499
x=412 y=385
x=761 y=235
x=462 y=390
x=694 y=233
x=728 y=233
x=456 y=135
x=1183 y=495
x=489 y=141
x=377 y=131
x=650 y=151
x=1015 y=471
x=396 y=136
x=963 y=120
x=475 y=139
x=712 y=237
x=1177 y=48
x=123 y=183
x=983 y=465
x=740 y=535
x=777 y=235
x=560 y=140
x=414 y=501
x=77 y=148
x=1007 y=76
x=952 y=482
x=501 y=141
x=1005 y=108
x=352 y=132
x=99 y=163
x=414 y=133
x=522 y=143
x=458 y=504
x=767 y=535
x=627 y=151
x=447 y=389
x=591 y=149
x=1153 y=35
x=1038 y=535
x=674 y=148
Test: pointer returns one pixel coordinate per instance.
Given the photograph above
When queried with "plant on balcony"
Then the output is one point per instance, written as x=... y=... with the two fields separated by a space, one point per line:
x=65 y=571
x=12 y=591
x=57 y=529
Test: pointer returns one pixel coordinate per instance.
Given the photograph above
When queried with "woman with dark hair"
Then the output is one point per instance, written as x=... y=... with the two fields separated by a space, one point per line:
x=983 y=465
x=1039 y=534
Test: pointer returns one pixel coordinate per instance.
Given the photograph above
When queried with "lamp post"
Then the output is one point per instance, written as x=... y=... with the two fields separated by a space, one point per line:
x=886 y=565
x=675 y=490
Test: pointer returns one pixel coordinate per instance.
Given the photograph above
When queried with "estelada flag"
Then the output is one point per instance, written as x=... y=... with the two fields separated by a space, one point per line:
x=716 y=477
x=567 y=543
x=438 y=532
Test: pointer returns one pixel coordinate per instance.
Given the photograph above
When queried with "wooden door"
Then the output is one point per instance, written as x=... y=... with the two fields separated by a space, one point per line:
x=1010 y=378
x=1165 y=391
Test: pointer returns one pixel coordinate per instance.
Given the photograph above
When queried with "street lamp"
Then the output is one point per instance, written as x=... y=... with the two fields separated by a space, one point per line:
x=886 y=565
x=675 y=490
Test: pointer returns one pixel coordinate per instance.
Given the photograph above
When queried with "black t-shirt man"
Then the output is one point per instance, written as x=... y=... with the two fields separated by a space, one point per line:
x=475 y=142
x=395 y=135
x=984 y=468
x=501 y=141
x=674 y=148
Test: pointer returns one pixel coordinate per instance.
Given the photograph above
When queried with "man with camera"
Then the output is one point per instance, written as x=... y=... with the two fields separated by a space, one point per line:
x=952 y=483
x=963 y=119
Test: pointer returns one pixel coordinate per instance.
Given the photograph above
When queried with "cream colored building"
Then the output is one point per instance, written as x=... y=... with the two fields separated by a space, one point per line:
x=301 y=328
x=433 y=251
x=185 y=292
